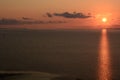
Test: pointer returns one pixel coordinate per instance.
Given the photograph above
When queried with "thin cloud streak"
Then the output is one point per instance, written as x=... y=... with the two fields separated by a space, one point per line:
x=72 y=15
x=49 y=15
x=6 y=21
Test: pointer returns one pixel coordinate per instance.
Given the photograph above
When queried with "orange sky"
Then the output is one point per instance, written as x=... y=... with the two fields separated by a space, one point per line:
x=37 y=9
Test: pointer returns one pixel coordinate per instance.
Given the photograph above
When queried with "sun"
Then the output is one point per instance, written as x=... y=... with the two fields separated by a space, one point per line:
x=104 y=19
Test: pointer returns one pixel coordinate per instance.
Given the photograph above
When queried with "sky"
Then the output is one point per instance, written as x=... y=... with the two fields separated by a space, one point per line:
x=69 y=12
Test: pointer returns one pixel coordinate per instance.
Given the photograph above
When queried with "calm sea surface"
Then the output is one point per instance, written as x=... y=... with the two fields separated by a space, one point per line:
x=86 y=54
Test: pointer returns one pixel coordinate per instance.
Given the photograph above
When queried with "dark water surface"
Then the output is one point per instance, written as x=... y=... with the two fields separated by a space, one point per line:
x=86 y=54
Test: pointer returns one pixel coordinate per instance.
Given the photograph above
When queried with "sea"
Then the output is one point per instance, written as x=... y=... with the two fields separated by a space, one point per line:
x=84 y=54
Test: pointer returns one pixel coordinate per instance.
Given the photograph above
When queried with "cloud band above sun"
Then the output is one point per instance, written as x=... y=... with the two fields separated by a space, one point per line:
x=70 y=15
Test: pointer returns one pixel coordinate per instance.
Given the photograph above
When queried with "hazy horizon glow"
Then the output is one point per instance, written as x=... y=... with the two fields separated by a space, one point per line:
x=37 y=9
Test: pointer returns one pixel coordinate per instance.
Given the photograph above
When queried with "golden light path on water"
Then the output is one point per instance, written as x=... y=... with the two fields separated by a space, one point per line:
x=104 y=71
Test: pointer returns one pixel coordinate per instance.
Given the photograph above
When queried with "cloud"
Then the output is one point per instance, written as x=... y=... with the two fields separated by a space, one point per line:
x=53 y=22
x=49 y=15
x=72 y=15
x=6 y=21
x=25 y=18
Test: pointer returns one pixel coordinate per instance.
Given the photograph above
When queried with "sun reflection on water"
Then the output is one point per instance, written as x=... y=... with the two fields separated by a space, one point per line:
x=104 y=71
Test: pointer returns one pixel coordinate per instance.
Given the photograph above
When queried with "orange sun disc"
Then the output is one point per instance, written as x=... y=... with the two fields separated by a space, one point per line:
x=104 y=20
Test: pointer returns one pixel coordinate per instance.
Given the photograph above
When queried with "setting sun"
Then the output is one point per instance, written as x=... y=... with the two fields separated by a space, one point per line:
x=104 y=19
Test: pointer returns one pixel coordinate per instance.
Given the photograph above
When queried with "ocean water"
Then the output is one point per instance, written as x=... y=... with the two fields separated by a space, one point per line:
x=84 y=54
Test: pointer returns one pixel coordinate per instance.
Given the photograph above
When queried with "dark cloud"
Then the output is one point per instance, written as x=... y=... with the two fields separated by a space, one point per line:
x=25 y=18
x=9 y=21
x=53 y=22
x=49 y=15
x=72 y=15
x=5 y=21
